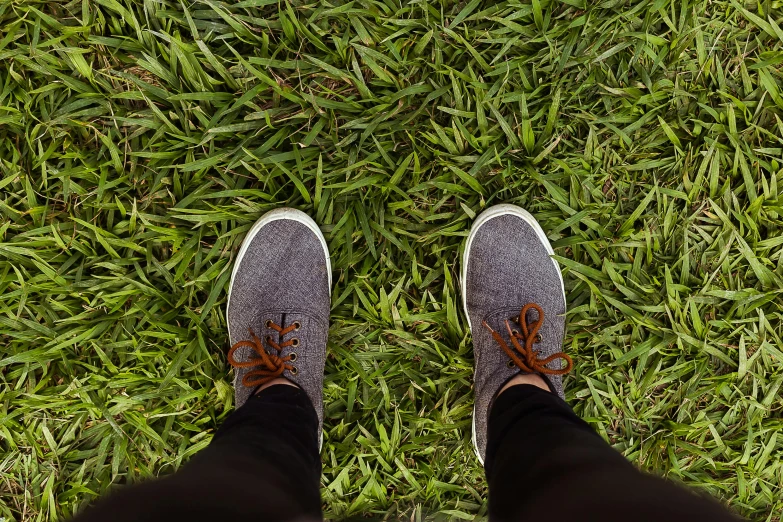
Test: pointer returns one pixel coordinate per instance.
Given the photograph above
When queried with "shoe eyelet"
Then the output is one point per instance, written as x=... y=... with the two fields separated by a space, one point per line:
x=269 y=339
x=268 y=323
x=295 y=342
x=539 y=338
x=297 y=325
x=510 y=363
x=515 y=333
x=292 y=356
x=293 y=370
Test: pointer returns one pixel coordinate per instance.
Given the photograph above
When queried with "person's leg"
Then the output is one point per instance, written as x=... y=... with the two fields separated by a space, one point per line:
x=262 y=464
x=544 y=462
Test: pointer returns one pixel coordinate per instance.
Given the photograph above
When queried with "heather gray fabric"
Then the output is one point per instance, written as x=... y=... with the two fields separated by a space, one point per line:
x=283 y=277
x=507 y=267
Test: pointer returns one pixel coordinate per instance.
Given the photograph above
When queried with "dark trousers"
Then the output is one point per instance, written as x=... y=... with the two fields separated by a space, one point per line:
x=542 y=463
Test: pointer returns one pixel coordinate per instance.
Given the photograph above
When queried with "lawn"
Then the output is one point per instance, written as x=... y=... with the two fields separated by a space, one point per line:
x=140 y=139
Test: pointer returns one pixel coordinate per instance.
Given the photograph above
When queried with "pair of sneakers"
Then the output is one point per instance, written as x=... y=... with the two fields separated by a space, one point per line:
x=512 y=293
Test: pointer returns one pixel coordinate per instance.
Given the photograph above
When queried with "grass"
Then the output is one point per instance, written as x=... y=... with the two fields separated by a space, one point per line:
x=140 y=139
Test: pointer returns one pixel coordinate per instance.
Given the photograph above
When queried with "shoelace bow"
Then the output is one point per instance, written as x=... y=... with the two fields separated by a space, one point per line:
x=523 y=355
x=270 y=364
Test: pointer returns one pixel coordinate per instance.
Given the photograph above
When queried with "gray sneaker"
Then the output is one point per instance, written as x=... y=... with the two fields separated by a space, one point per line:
x=514 y=299
x=278 y=306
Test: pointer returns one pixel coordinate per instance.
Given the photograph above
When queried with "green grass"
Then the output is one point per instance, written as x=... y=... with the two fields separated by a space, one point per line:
x=139 y=140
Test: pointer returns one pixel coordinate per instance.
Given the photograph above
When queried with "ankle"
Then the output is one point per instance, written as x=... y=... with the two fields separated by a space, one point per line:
x=273 y=382
x=526 y=378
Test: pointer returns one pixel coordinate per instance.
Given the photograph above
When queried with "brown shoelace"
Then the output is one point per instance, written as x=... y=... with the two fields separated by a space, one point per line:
x=523 y=355
x=270 y=364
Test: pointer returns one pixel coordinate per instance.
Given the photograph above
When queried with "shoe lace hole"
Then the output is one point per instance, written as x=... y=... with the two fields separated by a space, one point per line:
x=515 y=332
x=292 y=356
x=293 y=370
x=539 y=338
x=510 y=363
x=297 y=325
x=294 y=342
x=268 y=323
x=269 y=339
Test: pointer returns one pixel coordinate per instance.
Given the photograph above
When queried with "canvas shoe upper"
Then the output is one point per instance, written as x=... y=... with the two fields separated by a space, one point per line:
x=513 y=297
x=278 y=306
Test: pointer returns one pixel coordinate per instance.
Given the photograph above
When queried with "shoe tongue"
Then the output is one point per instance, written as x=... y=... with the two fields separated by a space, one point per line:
x=497 y=320
x=280 y=318
x=285 y=318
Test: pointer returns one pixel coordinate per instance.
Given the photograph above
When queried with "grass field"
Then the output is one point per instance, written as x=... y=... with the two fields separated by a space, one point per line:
x=139 y=140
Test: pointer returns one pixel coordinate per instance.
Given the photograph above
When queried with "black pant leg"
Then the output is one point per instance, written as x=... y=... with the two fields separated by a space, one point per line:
x=545 y=463
x=262 y=464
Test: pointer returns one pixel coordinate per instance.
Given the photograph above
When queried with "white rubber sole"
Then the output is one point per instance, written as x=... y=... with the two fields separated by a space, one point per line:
x=491 y=213
x=274 y=215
